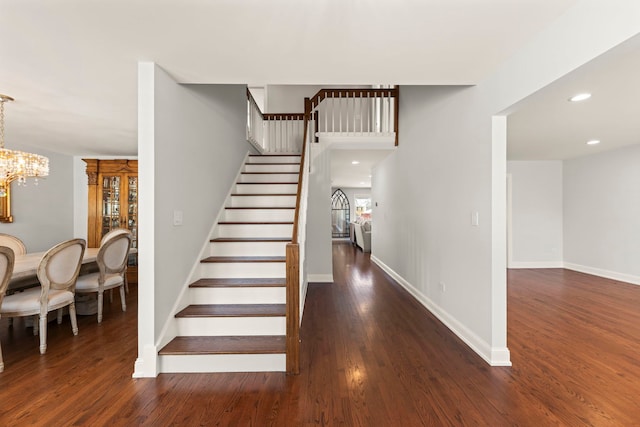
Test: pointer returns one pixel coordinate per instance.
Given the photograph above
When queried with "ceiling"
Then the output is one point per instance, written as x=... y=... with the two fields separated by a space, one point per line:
x=71 y=65
x=546 y=126
x=346 y=174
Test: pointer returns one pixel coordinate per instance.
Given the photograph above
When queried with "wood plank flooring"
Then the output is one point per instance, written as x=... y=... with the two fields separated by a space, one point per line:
x=370 y=356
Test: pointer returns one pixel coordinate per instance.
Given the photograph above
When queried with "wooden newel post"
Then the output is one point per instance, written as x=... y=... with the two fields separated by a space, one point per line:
x=293 y=309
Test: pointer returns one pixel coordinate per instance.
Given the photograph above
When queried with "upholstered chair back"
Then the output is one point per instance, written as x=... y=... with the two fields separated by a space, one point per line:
x=14 y=243
x=60 y=265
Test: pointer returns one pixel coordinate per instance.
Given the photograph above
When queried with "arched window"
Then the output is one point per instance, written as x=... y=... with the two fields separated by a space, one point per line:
x=339 y=214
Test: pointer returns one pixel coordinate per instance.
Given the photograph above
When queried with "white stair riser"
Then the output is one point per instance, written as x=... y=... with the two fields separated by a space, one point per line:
x=271 y=168
x=248 y=249
x=274 y=159
x=263 y=201
x=266 y=188
x=222 y=363
x=261 y=295
x=230 y=326
x=239 y=270
x=256 y=215
x=268 y=177
x=254 y=230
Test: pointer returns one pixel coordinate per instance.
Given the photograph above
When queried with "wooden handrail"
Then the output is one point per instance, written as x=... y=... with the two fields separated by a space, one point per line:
x=307 y=114
x=352 y=93
x=283 y=116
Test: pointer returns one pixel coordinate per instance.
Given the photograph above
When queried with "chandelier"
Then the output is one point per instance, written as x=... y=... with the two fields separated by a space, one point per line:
x=17 y=165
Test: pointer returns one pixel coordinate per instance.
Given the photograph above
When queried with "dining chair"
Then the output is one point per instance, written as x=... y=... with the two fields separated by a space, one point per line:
x=112 y=270
x=14 y=243
x=57 y=272
x=6 y=268
x=111 y=234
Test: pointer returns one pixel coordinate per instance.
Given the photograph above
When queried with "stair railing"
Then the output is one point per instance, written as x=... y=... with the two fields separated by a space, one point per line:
x=296 y=252
x=356 y=112
x=273 y=133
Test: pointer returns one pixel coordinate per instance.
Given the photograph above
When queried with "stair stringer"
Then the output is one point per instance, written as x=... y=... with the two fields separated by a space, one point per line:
x=170 y=329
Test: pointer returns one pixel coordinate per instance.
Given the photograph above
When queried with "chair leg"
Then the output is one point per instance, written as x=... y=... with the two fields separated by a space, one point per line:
x=43 y=334
x=1 y=361
x=100 y=302
x=126 y=282
x=111 y=296
x=59 y=316
x=35 y=325
x=72 y=315
x=10 y=321
x=122 y=300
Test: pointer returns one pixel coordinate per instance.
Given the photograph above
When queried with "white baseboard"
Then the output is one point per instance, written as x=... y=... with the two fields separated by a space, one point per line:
x=146 y=365
x=493 y=356
x=536 y=264
x=320 y=278
x=622 y=277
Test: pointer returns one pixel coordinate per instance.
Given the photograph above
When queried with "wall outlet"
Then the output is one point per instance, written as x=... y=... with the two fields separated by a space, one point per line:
x=177 y=217
x=475 y=218
x=442 y=287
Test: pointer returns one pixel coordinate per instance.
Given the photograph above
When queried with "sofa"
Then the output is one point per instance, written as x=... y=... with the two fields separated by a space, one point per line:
x=361 y=234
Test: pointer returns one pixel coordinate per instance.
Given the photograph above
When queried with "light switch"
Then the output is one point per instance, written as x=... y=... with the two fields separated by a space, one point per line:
x=475 y=219
x=177 y=217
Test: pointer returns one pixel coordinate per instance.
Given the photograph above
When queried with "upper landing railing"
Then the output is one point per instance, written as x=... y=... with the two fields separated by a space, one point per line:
x=336 y=112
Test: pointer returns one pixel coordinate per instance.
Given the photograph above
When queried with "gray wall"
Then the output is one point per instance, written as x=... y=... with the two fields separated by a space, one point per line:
x=602 y=213
x=43 y=213
x=200 y=143
x=536 y=201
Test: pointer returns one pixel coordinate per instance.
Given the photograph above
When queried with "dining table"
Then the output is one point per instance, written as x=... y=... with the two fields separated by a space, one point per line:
x=25 y=275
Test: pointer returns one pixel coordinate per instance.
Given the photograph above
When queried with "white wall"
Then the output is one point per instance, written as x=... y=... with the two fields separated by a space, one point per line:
x=288 y=98
x=43 y=213
x=319 y=253
x=602 y=214
x=191 y=146
x=536 y=202
x=451 y=163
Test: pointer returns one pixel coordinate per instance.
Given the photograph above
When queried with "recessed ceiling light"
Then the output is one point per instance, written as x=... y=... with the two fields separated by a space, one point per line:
x=593 y=142
x=363 y=183
x=580 y=97
x=355 y=162
x=369 y=176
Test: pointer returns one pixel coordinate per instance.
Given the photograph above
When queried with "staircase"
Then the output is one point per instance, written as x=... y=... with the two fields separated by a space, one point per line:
x=236 y=320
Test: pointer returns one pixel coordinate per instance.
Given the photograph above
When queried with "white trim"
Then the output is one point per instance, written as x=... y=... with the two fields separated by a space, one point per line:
x=536 y=264
x=320 y=278
x=622 y=277
x=493 y=356
x=146 y=365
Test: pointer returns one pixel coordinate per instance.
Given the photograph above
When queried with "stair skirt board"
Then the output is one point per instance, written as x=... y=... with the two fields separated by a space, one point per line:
x=266 y=188
x=255 y=230
x=255 y=295
x=261 y=201
x=290 y=167
x=284 y=214
x=274 y=159
x=225 y=326
x=243 y=269
x=222 y=363
x=248 y=248
x=269 y=177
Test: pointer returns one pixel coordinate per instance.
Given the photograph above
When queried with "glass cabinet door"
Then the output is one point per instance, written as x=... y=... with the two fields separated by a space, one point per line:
x=111 y=203
x=132 y=209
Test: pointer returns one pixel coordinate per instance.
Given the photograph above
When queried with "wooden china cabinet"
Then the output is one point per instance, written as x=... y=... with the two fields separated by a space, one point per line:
x=113 y=203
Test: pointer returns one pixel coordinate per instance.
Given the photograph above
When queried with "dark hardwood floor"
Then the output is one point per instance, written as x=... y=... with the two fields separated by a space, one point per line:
x=370 y=356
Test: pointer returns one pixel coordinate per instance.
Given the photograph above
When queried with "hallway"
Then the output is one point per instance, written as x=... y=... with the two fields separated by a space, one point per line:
x=371 y=356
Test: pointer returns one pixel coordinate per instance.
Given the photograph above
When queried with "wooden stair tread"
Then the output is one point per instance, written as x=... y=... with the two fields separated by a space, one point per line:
x=275 y=155
x=233 y=310
x=250 y=239
x=273 y=163
x=269 y=344
x=267 y=183
x=240 y=283
x=256 y=222
x=267 y=173
x=260 y=207
x=244 y=259
x=265 y=194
